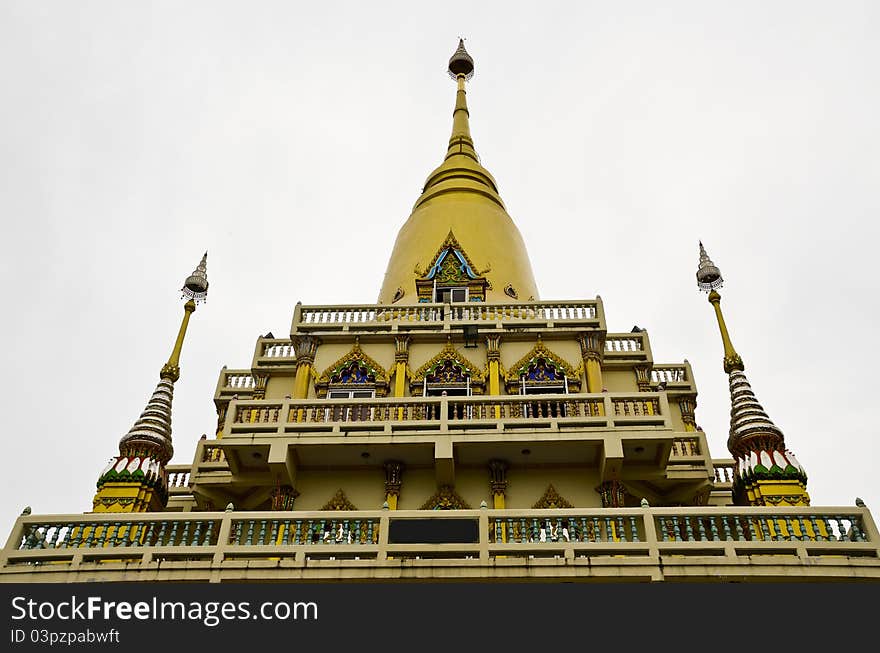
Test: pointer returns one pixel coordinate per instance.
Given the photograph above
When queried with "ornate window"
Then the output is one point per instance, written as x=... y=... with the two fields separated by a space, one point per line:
x=541 y=372
x=354 y=376
x=448 y=374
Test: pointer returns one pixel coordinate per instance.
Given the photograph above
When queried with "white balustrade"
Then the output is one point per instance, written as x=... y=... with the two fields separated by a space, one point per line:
x=240 y=381
x=457 y=312
x=279 y=350
x=615 y=343
x=668 y=374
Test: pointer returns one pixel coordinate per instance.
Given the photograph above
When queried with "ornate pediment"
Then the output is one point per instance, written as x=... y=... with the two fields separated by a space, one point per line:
x=353 y=370
x=448 y=367
x=540 y=366
x=552 y=499
x=339 y=502
x=446 y=498
x=451 y=267
x=450 y=264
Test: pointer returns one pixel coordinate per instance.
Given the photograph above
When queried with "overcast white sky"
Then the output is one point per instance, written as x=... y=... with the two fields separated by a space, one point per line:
x=291 y=140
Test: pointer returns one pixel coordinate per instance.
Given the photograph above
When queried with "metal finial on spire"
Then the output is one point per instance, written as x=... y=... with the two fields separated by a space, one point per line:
x=708 y=275
x=196 y=285
x=461 y=63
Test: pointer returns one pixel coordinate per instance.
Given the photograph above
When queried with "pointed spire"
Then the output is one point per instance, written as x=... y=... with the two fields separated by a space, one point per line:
x=751 y=429
x=461 y=69
x=708 y=276
x=196 y=285
x=461 y=63
x=152 y=430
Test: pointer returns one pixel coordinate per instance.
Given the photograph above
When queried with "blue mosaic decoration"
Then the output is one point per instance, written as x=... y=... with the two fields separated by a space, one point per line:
x=541 y=370
x=353 y=372
x=455 y=269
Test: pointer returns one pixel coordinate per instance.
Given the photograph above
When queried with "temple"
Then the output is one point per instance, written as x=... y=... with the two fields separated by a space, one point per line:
x=460 y=428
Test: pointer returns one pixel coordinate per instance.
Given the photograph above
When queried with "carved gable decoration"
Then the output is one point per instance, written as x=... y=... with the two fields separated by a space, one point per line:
x=339 y=502
x=450 y=368
x=540 y=366
x=445 y=498
x=451 y=267
x=551 y=499
x=352 y=370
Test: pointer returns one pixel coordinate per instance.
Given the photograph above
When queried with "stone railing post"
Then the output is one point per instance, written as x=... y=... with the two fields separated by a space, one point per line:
x=384 y=522
x=483 y=526
x=223 y=535
x=14 y=539
x=650 y=532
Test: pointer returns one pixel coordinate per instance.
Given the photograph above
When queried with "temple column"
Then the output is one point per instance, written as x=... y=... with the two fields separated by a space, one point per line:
x=498 y=482
x=493 y=353
x=643 y=377
x=498 y=486
x=304 y=349
x=260 y=381
x=393 y=481
x=591 y=349
x=401 y=358
x=687 y=406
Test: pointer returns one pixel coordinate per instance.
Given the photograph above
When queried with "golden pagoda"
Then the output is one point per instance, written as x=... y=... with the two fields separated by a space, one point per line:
x=459 y=428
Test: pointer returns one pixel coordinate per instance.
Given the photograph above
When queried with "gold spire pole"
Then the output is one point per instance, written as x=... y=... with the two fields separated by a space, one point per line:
x=196 y=289
x=709 y=280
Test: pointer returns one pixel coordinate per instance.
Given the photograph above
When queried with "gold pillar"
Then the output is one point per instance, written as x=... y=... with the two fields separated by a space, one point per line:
x=393 y=482
x=493 y=353
x=304 y=348
x=401 y=360
x=591 y=349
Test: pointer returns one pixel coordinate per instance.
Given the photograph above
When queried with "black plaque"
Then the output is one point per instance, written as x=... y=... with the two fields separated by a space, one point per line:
x=434 y=531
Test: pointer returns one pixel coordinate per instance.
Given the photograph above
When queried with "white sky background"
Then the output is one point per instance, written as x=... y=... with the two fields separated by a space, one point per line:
x=291 y=140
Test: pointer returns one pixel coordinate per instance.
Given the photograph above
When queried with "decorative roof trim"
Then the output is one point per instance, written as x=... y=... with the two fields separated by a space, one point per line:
x=448 y=352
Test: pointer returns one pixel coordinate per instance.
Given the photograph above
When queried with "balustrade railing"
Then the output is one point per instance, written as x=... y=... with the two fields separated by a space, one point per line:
x=642 y=409
x=597 y=527
x=724 y=471
x=353 y=315
x=669 y=374
x=239 y=381
x=623 y=344
x=118 y=531
x=782 y=527
x=686 y=447
x=279 y=350
x=288 y=530
x=142 y=541
x=212 y=454
x=178 y=478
